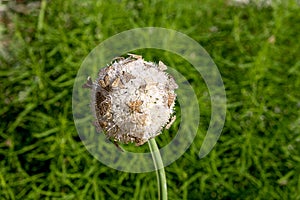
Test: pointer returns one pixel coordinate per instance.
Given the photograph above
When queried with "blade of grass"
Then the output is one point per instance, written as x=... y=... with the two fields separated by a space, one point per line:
x=42 y=15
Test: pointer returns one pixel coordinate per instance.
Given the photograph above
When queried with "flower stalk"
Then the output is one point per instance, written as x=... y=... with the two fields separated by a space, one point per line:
x=160 y=171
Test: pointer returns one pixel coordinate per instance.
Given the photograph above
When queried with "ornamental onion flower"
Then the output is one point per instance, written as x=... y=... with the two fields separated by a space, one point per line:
x=132 y=99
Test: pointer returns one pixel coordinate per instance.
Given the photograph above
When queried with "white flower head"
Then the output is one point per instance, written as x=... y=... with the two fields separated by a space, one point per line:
x=133 y=100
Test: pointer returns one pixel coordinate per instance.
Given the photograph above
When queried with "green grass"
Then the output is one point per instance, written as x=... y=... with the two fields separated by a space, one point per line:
x=258 y=154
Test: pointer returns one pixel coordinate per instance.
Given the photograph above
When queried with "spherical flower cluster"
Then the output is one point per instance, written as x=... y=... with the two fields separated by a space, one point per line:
x=132 y=99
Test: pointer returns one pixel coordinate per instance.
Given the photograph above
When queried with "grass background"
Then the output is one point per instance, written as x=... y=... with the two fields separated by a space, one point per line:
x=257 y=51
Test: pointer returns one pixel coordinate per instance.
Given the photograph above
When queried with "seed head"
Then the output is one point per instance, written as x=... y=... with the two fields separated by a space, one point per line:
x=132 y=99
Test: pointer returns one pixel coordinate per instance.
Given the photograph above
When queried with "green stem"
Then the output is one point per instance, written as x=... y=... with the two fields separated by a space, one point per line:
x=160 y=171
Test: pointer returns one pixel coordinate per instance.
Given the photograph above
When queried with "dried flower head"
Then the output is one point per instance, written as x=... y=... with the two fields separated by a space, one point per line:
x=132 y=99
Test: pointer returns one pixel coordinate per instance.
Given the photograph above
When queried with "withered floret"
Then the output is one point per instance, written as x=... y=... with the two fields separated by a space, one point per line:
x=132 y=99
